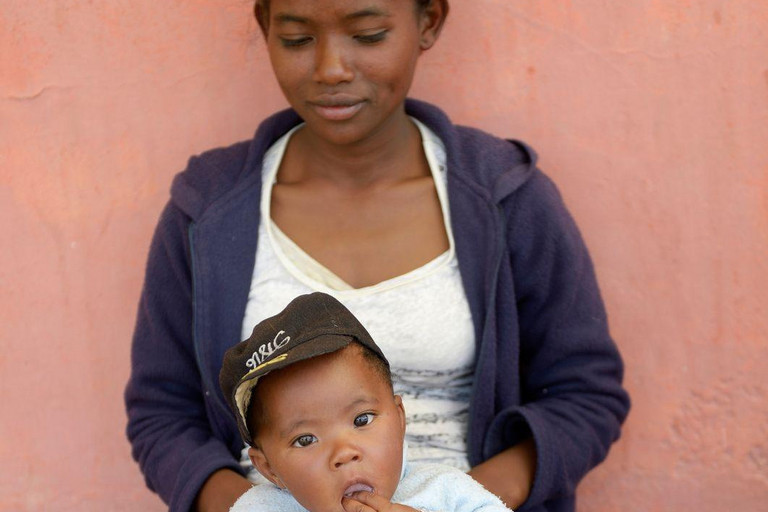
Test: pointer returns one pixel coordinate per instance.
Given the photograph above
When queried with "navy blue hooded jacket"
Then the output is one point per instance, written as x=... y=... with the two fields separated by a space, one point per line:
x=546 y=364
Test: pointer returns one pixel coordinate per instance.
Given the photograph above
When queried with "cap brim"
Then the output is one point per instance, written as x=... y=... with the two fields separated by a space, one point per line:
x=323 y=344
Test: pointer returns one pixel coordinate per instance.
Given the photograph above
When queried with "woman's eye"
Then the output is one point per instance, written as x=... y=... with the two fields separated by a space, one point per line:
x=305 y=440
x=363 y=419
x=372 y=38
x=294 y=42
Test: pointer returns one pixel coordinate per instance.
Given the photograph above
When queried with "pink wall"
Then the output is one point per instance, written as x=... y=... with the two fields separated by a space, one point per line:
x=651 y=115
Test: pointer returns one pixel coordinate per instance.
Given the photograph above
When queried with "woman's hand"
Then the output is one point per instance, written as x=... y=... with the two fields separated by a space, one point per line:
x=221 y=491
x=509 y=474
x=371 y=502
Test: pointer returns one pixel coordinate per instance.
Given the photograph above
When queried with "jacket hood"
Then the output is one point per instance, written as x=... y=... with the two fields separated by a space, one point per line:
x=479 y=160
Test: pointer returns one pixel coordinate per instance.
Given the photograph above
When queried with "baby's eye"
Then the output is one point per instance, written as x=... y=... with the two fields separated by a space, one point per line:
x=363 y=419
x=304 y=440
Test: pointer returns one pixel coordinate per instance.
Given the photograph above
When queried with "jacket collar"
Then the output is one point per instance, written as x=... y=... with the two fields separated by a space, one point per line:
x=491 y=167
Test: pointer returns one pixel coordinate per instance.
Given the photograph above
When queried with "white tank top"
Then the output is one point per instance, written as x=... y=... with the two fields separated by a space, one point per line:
x=421 y=319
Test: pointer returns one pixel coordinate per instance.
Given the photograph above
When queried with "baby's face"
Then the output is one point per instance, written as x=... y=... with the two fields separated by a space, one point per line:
x=332 y=427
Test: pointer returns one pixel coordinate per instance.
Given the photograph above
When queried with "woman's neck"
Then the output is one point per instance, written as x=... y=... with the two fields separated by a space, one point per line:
x=393 y=154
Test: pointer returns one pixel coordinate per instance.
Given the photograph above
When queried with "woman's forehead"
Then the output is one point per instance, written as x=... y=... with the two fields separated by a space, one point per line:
x=270 y=12
x=347 y=13
x=343 y=7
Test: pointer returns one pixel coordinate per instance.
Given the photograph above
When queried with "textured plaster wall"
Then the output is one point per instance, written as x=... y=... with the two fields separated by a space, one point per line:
x=651 y=115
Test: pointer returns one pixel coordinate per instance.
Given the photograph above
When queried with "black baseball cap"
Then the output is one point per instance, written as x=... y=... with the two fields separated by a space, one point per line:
x=309 y=326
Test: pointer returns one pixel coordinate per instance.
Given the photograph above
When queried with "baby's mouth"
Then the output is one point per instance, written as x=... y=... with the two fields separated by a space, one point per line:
x=352 y=489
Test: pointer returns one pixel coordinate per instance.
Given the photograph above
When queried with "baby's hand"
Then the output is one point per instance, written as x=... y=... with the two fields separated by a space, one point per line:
x=364 y=501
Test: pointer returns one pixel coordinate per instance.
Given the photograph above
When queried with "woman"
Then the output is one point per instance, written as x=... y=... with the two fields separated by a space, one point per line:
x=448 y=243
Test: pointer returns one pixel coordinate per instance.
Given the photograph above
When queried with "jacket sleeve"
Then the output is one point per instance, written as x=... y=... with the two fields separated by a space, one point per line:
x=572 y=399
x=168 y=426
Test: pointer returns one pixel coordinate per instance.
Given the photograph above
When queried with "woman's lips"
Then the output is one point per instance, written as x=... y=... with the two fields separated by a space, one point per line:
x=337 y=111
x=352 y=489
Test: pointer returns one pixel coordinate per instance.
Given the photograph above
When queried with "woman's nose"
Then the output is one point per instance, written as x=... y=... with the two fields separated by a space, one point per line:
x=332 y=65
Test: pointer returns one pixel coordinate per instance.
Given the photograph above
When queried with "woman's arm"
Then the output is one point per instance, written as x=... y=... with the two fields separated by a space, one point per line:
x=572 y=399
x=509 y=474
x=221 y=491
x=168 y=425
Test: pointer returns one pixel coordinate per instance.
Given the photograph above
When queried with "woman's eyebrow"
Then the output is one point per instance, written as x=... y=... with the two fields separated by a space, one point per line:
x=367 y=13
x=370 y=12
x=290 y=18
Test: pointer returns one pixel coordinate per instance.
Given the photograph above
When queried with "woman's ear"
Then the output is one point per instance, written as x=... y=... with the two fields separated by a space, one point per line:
x=260 y=462
x=431 y=22
x=261 y=14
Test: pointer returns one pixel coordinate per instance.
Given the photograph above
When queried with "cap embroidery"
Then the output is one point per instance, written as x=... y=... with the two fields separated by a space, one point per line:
x=281 y=357
x=267 y=349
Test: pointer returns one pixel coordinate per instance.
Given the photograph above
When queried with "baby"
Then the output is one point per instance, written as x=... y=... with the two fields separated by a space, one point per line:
x=312 y=394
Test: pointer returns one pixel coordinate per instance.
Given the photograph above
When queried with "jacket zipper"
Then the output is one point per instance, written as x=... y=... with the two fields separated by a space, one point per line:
x=491 y=306
x=208 y=391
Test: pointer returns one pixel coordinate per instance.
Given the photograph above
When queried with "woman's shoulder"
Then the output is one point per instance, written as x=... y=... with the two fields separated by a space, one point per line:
x=211 y=176
x=477 y=157
x=490 y=156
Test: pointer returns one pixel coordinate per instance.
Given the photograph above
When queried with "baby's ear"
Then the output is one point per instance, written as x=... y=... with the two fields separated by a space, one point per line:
x=260 y=462
x=401 y=410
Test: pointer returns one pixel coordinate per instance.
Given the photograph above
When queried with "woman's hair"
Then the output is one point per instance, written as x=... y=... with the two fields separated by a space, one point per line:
x=261 y=11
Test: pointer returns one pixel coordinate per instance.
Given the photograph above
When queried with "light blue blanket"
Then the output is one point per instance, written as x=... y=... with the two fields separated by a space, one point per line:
x=425 y=487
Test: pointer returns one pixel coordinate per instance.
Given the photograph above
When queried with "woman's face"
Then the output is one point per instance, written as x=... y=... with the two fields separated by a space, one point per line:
x=346 y=65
